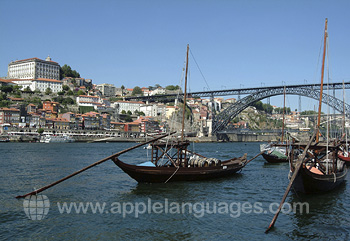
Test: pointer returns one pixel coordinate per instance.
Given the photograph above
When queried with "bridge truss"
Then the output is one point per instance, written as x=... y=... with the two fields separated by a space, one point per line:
x=221 y=120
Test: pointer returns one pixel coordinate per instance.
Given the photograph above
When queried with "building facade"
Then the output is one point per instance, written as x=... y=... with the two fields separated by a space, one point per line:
x=34 y=68
x=39 y=84
x=107 y=90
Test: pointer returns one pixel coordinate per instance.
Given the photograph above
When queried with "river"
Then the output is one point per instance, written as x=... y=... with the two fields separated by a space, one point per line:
x=115 y=207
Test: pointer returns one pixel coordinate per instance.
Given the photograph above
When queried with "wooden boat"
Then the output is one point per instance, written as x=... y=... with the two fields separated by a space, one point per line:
x=322 y=170
x=171 y=160
x=314 y=167
x=180 y=166
x=271 y=158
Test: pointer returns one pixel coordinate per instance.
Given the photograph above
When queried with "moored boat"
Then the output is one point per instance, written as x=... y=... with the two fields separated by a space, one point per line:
x=57 y=139
x=180 y=165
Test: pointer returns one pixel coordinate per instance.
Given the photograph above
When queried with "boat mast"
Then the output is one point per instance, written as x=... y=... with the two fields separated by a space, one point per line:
x=185 y=96
x=322 y=75
x=284 y=106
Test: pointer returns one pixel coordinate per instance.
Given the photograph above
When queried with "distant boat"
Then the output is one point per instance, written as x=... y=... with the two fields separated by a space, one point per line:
x=274 y=154
x=57 y=139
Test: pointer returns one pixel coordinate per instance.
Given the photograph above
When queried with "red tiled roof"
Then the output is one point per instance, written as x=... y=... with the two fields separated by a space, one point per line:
x=9 y=109
x=6 y=81
x=35 y=58
x=90 y=96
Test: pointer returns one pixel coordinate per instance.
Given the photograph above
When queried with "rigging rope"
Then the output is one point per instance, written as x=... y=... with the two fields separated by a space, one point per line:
x=199 y=69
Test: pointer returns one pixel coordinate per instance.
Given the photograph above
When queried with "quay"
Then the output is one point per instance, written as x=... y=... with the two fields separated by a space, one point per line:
x=13 y=134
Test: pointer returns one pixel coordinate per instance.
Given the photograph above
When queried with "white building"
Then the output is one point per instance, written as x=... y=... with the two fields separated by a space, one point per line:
x=107 y=90
x=39 y=84
x=34 y=68
x=128 y=105
x=95 y=101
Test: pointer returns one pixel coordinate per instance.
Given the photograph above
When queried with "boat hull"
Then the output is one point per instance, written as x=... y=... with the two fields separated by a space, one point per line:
x=175 y=174
x=273 y=159
x=309 y=182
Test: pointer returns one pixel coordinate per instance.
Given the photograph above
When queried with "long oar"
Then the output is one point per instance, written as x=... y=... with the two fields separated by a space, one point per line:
x=92 y=165
x=295 y=173
x=253 y=158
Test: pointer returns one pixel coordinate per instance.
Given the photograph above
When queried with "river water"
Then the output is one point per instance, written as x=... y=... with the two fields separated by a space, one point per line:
x=234 y=208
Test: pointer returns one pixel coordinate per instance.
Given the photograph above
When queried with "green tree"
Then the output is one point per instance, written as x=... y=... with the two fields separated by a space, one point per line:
x=69 y=92
x=48 y=91
x=66 y=71
x=6 y=88
x=172 y=87
x=28 y=90
x=123 y=88
x=80 y=92
x=65 y=87
x=129 y=112
x=68 y=101
x=136 y=91
x=123 y=112
x=40 y=131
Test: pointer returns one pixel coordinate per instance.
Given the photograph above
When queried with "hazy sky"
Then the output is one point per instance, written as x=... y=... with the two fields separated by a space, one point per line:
x=141 y=43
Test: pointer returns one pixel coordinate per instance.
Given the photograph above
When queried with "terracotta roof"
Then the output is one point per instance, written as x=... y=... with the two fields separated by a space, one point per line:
x=131 y=102
x=90 y=96
x=9 y=109
x=48 y=80
x=35 y=58
x=6 y=81
x=14 y=98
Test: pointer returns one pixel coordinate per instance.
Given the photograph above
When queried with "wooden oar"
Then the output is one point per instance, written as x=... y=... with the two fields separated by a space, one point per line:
x=295 y=173
x=253 y=158
x=92 y=165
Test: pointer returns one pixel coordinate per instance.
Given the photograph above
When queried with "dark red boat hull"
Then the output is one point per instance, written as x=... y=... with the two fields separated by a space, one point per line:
x=308 y=182
x=174 y=174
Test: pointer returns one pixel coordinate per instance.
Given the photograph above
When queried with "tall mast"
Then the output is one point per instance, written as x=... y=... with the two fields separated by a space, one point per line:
x=284 y=106
x=185 y=96
x=322 y=75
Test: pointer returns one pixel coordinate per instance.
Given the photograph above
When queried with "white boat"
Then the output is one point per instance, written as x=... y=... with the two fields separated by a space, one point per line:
x=57 y=139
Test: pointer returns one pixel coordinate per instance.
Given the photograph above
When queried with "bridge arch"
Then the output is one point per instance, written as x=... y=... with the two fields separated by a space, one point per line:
x=221 y=120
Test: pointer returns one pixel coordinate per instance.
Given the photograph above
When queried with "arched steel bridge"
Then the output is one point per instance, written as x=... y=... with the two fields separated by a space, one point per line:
x=223 y=118
x=228 y=92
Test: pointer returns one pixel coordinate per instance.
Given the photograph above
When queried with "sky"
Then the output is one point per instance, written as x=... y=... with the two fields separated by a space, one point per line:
x=233 y=43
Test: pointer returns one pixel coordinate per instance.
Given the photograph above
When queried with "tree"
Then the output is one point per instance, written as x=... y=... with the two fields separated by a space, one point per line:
x=68 y=101
x=123 y=112
x=70 y=92
x=48 y=91
x=27 y=89
x=172 y=87
x=80 y=92
x=123 y=88
x=136 y=91
x=129 y=112
x=66 y=71
x=65 y=87
x=6 y=88
x=40 y=131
